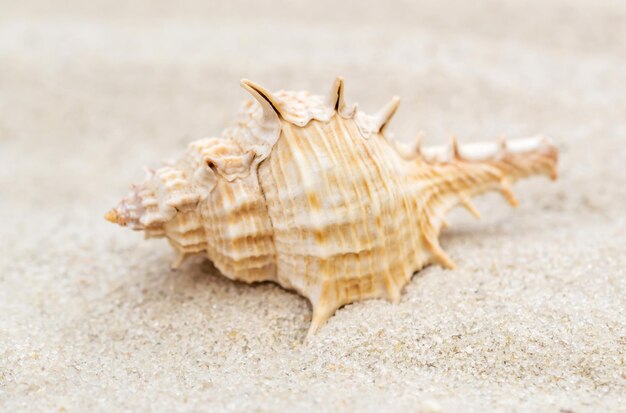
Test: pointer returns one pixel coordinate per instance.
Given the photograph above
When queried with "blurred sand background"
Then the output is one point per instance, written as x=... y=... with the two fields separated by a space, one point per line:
x=92 y=319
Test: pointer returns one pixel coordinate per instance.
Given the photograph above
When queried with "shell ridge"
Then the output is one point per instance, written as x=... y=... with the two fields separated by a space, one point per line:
x=362 y=162
x=364 y=216
x=378 y=163
x=325 y=254
x=346 y=248
x=399 y=200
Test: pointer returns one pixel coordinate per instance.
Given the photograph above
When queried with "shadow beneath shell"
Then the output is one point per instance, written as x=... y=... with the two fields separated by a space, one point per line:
x=252 y=310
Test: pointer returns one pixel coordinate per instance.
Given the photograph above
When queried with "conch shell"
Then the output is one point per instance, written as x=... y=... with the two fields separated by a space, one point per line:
x=318 y=197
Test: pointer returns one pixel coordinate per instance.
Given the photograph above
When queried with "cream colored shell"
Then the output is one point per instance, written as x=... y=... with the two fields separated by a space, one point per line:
x=317 y=197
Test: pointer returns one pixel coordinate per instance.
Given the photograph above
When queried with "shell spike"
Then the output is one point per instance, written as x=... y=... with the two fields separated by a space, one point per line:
x=322 y=311
x=393 y=293
x=178 y=260
x=386 y=114
x=502 y=144
x=507 y=193
x=554 y=172
x=440 y=255
x=336 y=99
x=467 y=204
x=454 y=147
x=419 y=141
x=265 y=98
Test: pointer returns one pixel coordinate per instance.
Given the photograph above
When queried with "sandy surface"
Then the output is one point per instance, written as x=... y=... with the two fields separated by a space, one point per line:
x=91 y=318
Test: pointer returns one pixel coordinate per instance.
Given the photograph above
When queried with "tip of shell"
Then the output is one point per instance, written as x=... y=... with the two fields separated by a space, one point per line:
x=112 y=216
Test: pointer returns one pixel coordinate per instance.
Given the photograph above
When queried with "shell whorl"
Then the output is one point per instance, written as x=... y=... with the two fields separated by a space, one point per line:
x=148 y=206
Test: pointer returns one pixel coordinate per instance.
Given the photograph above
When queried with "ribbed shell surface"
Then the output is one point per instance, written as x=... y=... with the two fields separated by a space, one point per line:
x=339 y=210
x=239 y=231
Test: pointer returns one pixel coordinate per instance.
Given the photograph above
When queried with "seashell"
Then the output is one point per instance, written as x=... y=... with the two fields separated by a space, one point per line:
x=318 y=197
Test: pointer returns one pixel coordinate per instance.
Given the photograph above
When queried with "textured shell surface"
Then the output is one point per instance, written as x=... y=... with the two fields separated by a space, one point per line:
x=319 y=197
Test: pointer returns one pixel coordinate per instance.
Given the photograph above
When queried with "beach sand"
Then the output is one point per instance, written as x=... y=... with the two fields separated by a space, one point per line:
x=92 y=318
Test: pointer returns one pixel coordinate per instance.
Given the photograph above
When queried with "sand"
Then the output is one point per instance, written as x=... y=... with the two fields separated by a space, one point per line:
x=92 y=319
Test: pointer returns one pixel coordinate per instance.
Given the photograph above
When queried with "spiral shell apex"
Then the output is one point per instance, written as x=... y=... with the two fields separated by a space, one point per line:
x=317 y=196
